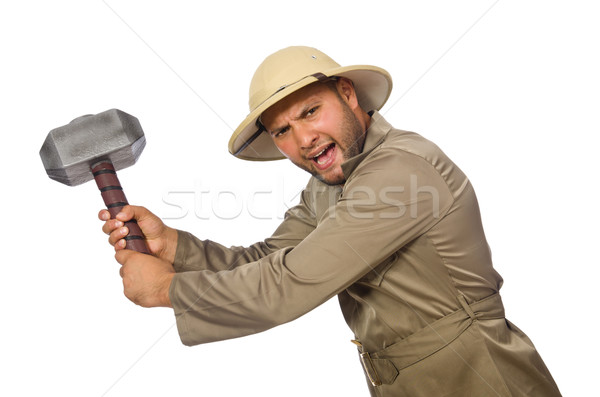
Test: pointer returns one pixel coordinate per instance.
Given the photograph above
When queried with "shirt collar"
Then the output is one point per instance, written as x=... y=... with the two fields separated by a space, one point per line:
x=376 y=133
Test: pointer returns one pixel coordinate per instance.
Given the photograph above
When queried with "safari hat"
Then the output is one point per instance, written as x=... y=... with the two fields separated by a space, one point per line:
x=285 y=72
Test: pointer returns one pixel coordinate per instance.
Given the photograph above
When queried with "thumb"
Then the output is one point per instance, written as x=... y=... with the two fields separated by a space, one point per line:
x=131 y=212
x=126 y=214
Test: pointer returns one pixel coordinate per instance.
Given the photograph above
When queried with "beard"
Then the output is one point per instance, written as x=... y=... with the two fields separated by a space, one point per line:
x=351 y=144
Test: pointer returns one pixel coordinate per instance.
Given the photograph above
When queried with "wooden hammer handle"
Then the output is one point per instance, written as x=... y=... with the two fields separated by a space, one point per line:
x=114 y=199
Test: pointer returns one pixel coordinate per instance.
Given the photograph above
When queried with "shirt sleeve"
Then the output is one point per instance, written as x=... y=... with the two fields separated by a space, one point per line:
x=194 y=254
x=391 y=198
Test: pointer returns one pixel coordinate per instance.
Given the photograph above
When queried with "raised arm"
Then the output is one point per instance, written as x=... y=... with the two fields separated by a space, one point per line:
x=195 y=254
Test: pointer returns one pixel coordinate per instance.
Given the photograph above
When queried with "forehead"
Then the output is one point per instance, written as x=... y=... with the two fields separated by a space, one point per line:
x=294 y=102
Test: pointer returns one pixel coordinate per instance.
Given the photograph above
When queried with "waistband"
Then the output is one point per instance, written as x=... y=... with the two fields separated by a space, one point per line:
x=382 y=367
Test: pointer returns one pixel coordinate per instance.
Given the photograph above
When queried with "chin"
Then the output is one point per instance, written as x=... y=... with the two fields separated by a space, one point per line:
x=332 y=180
x=331 y=177
x=332 y=183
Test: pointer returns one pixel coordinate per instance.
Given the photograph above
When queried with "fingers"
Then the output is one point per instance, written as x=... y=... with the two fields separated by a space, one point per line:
x=103 y=215
x=111 y=225
x=116 y=231
x=117 y=238
x=114 y=227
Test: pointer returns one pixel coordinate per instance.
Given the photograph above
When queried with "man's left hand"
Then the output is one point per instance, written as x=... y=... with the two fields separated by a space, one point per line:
x=146 y=279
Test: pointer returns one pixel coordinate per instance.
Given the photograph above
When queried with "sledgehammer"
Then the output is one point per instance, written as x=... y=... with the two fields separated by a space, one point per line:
x=95 y=147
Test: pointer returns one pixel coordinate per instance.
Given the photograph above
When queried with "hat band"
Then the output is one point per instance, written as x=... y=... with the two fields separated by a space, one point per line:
x=318 y=75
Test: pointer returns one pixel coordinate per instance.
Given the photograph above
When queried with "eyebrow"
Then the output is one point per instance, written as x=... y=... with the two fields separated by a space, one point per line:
x=308 y=106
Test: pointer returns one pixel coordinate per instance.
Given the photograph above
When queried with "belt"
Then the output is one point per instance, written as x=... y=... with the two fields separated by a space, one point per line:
x=382 y=367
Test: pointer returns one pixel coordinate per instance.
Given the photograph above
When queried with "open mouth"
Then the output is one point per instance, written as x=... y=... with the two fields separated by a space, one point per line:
x=325 y=157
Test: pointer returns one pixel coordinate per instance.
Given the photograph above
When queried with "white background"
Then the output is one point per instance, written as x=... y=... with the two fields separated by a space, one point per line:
x=508 y=89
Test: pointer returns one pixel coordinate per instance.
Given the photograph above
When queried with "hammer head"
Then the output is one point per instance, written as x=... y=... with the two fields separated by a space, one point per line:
x=69 y=152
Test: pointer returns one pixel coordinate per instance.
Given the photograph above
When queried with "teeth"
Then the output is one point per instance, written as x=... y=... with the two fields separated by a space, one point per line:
x=318 y=157
x=320 y=153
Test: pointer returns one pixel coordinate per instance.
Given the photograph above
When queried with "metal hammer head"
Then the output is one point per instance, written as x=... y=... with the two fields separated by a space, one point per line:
x=69 y=152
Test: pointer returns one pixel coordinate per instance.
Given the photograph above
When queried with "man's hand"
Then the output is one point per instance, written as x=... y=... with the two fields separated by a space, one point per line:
x=161 y=239
x=146 y=279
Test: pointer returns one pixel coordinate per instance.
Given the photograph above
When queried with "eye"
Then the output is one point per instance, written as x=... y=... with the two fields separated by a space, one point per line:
x=312 y=111
x=280 y=132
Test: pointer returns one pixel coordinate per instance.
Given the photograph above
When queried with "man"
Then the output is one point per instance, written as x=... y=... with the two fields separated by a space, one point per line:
x=387 y=223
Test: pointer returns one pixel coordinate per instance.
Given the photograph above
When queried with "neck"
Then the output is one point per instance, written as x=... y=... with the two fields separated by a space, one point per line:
x=365 y=119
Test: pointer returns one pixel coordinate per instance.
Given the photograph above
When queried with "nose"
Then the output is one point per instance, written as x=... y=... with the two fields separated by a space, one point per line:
x=306 y=137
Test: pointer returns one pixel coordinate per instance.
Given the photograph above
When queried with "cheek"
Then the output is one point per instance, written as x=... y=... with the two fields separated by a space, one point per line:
x=286 y=147
x=327 y=123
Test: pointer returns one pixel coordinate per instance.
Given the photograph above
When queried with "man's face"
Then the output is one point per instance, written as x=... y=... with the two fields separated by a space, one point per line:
x=318 y=129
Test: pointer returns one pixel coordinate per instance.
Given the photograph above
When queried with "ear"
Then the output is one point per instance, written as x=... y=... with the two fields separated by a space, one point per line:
x=346 y=89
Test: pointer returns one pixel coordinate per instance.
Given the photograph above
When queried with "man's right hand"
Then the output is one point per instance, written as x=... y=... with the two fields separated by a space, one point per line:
x=161 y=239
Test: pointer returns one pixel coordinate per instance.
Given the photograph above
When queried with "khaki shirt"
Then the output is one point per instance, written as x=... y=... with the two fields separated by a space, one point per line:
x=402 y=246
